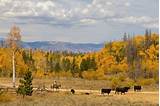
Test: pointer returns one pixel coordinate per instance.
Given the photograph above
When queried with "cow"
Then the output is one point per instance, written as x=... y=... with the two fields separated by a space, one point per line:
x=87 y=93
x=72 y=91
x=137 y=88
x=104 y=90
x=126 y=88
x=122 y=90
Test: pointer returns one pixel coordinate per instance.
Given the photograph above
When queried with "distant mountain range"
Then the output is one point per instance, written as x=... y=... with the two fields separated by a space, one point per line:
x=62 y=46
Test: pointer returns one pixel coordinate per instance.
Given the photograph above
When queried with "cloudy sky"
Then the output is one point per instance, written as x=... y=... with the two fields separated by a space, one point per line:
x=78 y=20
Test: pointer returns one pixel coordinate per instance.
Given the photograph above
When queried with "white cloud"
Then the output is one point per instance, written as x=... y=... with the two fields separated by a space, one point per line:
x=52 y=8
x=151 y=25
x=3 y=30
x=133 y=19
x=127 y=4
x=45 y=5
x=145 y=21
x=109 y=3
x=87 y=21
x=85 y=11
x=67 y=11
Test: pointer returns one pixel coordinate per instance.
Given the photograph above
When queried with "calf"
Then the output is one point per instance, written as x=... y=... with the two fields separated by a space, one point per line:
x=103 y=91
x=87 y=93
x=137 y=88
x=72 y=91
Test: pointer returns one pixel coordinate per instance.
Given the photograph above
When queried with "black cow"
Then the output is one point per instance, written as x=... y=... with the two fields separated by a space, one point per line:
x=72 y=91
x=137 y=88
x=87 y=93
x=127 y=88
x=122 y=90
x=104 y=90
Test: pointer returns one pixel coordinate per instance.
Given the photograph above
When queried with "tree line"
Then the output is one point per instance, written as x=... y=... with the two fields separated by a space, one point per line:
x=132 y=59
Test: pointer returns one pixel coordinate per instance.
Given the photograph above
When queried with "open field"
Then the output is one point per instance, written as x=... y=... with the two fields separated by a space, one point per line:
x=75 y=83
x=148 y=97
x=67 y=99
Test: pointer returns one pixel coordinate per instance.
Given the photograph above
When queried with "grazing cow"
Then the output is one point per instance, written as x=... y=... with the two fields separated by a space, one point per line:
x=72 y=91
x=87 y=93
x=126 y=88
x=104 y=90
x=122 y=90
x=137 y=88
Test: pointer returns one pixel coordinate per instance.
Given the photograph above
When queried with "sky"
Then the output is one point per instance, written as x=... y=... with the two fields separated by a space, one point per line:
x=78 y=21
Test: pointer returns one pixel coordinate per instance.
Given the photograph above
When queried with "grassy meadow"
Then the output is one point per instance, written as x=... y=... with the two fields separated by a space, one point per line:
x=147 y=97
x=75 y=83
x=67 y=99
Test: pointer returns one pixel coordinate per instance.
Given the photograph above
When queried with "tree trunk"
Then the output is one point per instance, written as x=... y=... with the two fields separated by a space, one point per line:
x=14 y=72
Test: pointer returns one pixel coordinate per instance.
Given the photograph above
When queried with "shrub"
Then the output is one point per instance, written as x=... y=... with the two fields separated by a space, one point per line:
x=64 y=74
x=156 y=80
x=87 y=74
x=129 y=82
x=115 y=82
x=122 y=77
x=147 y=81
x=39 y=74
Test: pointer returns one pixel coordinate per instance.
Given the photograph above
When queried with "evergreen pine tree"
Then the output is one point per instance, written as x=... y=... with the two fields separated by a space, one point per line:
x=25 y=88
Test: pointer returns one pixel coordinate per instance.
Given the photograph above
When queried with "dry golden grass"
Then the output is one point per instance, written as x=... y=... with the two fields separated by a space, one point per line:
x=5 y=98
x=76 y=83
x=66 y=83
x=67 y=99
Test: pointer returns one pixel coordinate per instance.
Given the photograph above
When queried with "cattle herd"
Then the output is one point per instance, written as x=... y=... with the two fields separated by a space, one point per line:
x=121 y=90
x=118 y=90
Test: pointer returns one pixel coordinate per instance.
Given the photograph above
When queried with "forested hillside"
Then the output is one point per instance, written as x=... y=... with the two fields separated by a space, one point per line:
x=132 y=59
